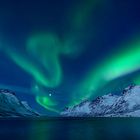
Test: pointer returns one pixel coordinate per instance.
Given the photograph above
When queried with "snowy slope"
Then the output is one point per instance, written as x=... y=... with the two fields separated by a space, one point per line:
x=127 y=104
x=10 y=106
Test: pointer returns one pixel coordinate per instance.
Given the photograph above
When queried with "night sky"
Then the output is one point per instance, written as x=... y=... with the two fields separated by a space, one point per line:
x=55 y=54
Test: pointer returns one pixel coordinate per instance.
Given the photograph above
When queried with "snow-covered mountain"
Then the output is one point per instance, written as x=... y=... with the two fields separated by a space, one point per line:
x=10 y=106
x=127 y=104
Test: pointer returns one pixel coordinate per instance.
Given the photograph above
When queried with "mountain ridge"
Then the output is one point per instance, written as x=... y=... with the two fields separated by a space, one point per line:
x=127 y=104
x=11 y=106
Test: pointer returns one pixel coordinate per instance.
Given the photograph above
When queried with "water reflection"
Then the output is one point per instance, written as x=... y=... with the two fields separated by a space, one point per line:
x=70 y=129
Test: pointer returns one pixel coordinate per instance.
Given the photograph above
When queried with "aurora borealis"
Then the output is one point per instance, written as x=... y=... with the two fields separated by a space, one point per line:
x=69 y=51
x=122 y=63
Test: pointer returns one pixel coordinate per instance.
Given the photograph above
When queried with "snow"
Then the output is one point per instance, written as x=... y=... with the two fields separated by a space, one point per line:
x=125 y=105
x=11 y=106
x=108 y=100
x=133 y=114
x=133 y=97
x=85 y=108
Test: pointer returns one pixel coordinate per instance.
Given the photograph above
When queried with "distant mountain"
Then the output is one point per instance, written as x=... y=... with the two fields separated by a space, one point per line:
x=10 y=106
x=125 y=105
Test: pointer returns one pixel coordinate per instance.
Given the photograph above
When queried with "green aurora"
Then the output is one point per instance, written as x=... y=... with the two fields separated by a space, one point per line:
x=48 y=47
x=46 y=103
x=123 y=62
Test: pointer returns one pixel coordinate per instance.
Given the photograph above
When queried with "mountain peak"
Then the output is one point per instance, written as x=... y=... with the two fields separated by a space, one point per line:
x=11 y=106
x=126 y=104
x=7 y=91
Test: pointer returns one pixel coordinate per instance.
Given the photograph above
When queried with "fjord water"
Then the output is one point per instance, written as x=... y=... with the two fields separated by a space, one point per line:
x=70 y=129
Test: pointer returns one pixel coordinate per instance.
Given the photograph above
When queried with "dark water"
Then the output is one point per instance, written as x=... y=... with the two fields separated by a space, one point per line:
x=70 y=129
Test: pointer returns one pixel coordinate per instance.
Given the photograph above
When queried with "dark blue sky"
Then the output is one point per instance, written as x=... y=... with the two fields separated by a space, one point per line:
x=110 y=23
